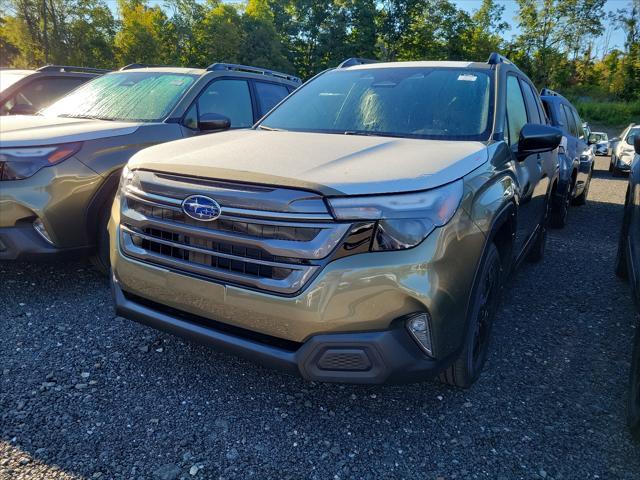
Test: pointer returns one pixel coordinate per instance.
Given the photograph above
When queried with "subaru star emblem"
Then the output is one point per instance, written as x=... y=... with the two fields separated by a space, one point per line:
x=202 y=208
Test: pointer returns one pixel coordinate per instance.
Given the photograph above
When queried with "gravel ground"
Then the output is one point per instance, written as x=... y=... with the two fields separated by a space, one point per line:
x=84 y=394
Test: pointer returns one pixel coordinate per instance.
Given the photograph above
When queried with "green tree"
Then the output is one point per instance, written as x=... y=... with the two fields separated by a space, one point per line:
x=145 y=35
x=262 y=44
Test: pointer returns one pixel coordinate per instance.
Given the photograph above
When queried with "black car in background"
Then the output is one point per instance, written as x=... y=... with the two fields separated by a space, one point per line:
x=24 y=92
x=628 y=267
x=575 y=157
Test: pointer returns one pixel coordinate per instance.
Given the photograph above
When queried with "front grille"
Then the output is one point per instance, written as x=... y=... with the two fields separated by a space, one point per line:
x=276 y=251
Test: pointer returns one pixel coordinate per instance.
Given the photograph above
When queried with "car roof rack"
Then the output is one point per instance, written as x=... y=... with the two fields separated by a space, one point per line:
x=71 y=68
x=216 y=67
x=132 y=66
x=495 y=58
x=547 y=92
x=353 y=61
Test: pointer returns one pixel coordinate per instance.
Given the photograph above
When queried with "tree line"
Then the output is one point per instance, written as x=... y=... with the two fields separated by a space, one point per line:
x=559 y=42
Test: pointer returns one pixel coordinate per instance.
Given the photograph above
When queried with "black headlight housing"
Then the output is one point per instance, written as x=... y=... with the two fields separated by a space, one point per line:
x=18 y=163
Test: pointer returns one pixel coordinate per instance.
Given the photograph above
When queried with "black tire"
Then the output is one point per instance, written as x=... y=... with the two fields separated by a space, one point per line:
x=633 y=402
x=621 y=256
x=560 y=209
x=536 y=254
x=582 y=198
x=100 y=260
x=483 y=306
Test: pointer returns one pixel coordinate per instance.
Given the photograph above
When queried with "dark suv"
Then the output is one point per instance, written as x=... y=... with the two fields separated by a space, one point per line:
x=360 y=232
x=24 y=92
x=575 y=156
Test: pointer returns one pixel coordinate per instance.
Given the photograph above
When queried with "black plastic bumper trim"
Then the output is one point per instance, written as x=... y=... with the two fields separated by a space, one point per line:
x=393 y=356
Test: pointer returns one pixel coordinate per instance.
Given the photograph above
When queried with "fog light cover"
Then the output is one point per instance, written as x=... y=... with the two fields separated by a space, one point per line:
x=419 y=326
x=39 y=227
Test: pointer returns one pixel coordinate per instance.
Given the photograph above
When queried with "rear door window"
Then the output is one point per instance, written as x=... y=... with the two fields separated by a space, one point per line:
x=269 y=95
x=228 y=97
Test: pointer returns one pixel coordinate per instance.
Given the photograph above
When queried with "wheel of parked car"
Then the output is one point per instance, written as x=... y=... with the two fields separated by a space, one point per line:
x=483 y=306
x=621 y=257
x=100 y=260
x=633 y=406
x=560 y=208
x=582 y=198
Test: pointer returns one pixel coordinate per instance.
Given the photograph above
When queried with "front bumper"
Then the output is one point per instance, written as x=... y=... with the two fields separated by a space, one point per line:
x=355 y=302
x=59 y=196
x=389 y=355
x=22 y=242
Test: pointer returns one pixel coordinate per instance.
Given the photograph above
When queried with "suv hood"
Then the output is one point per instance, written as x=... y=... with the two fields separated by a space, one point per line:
x=328 y=163
x=34 y=130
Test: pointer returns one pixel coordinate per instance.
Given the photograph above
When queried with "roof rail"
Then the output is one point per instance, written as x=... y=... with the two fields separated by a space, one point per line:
x=70 y=68
x=131 y=66
x=547 y=92
x=495 y=58
x=350 y=62
x=215 y=67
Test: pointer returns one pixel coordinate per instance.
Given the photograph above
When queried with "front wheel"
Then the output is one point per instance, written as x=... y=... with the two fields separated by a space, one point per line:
x=483 y=307
x=582 y=198
x=100 y=260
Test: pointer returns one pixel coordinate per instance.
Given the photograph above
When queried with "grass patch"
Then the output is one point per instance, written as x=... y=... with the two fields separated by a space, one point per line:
x=612 y=114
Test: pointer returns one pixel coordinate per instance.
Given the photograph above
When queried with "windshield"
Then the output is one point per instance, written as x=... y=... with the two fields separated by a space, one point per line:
x=9 y=77
x=411 y=102
x=125 y=96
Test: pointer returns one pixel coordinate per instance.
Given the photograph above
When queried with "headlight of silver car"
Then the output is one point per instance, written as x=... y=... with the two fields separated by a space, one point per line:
x=402 y=220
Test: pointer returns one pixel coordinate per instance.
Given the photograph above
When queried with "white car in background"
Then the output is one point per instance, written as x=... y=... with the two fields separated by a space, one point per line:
x=600 y=142
x=623 y=152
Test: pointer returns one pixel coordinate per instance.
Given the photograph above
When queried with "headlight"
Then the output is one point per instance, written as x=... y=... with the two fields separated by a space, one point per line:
x=626 y=158
x=403 y=220
x=19 y=163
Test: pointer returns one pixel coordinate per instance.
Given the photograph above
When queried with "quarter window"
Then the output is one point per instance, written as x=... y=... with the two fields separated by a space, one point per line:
x=228 y=97
x=516 y=110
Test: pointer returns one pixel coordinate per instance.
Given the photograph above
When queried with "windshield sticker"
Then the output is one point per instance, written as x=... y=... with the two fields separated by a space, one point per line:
x=467 y=77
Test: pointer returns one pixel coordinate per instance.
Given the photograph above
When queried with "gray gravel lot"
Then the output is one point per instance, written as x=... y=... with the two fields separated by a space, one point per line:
x=84 y=394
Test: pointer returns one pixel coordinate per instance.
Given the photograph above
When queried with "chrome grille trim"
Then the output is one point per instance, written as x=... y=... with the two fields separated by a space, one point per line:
x=271 y=251
x=153 y=199
x=291 y=284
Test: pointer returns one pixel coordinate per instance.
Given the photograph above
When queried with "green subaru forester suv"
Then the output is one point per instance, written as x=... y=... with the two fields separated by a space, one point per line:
x=360 y=232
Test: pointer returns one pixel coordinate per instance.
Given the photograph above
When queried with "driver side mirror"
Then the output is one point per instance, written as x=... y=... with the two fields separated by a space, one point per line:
x=636 y=143
x=536 y=138
x=22 y=109
x=212 y=122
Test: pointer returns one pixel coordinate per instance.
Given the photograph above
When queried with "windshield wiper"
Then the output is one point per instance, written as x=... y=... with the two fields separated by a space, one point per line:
x=271 y=129
x=367 y=133
x=87 y=117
